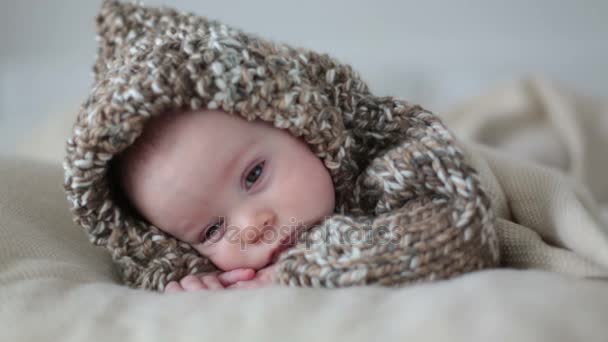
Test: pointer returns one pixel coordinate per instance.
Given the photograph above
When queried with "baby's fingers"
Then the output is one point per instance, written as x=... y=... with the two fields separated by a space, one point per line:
x=192 y=283
x=248 y=284
x=173 y=286
x=212 y=282
x=240 y=285
x=240 y=274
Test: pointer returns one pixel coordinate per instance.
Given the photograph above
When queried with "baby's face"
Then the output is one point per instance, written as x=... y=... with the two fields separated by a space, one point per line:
x=233 y=189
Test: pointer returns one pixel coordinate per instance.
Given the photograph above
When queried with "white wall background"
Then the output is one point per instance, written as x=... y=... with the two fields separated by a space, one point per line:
x=436 y=53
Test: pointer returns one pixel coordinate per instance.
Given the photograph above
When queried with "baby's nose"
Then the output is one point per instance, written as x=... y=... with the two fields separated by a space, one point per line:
x=259 y=224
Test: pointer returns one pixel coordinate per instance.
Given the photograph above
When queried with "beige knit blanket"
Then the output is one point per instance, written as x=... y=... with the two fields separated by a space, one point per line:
x=549 y=182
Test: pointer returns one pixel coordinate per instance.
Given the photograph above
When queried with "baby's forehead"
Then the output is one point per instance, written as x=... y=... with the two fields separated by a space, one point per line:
x=157 y=135
x=173 y=135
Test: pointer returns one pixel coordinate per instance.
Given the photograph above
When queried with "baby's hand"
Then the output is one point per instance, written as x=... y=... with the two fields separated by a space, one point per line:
x=213 y=281
x=263 y=277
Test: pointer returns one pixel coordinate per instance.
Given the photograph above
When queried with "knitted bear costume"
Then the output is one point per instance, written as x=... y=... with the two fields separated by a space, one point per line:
x=398 y=174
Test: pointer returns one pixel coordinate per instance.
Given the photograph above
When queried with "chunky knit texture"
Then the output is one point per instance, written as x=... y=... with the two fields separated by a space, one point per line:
x=408 y=206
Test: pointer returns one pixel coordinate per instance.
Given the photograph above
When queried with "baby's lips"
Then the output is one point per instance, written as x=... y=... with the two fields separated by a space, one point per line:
x=236 y=275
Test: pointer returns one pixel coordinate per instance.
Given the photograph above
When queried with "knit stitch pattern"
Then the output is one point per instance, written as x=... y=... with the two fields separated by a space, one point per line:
x=408 y=206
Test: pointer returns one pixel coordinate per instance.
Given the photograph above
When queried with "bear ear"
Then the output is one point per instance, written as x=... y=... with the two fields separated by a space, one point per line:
x=118 y=23
x=113 y=26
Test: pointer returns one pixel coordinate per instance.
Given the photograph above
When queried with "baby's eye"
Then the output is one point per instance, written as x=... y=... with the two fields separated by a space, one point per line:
x=212 y=232
x=254 y=174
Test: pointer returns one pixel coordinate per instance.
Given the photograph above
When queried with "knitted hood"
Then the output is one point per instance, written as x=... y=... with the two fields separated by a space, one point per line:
x=394 y=165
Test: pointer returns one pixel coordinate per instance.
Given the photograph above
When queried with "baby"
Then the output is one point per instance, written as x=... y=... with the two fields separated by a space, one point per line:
x=230 y=188
x=203 y=153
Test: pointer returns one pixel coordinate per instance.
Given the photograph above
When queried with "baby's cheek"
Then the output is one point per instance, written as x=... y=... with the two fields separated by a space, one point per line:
x=226 y=255
x=220 y=258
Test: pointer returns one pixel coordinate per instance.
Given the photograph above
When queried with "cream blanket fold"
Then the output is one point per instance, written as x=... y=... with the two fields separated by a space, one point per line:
x=548 y=184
